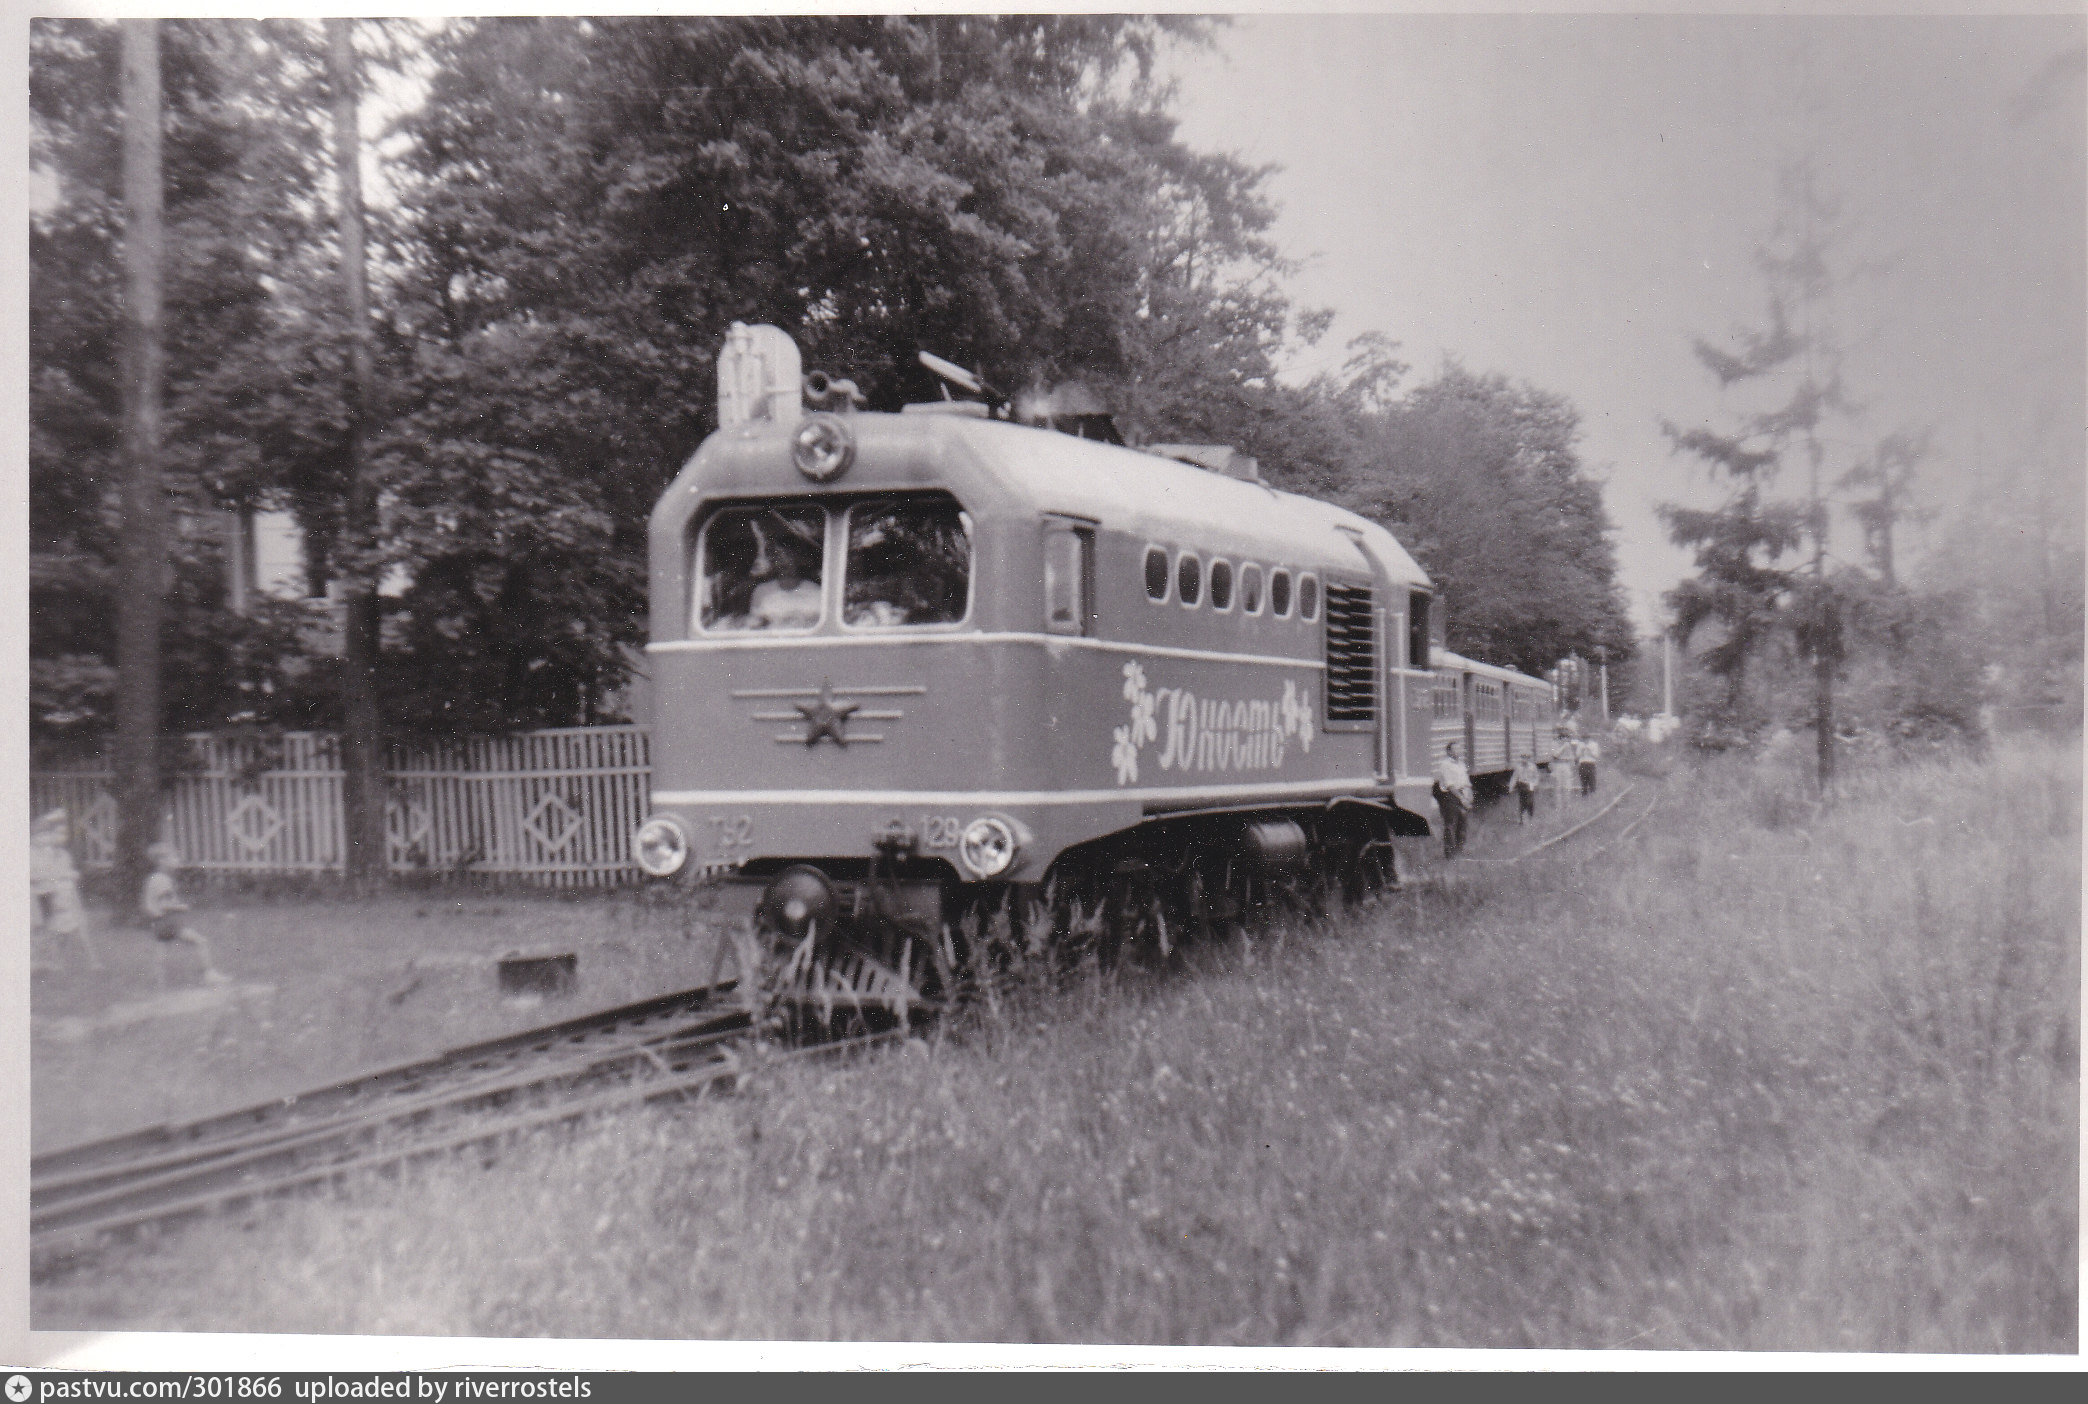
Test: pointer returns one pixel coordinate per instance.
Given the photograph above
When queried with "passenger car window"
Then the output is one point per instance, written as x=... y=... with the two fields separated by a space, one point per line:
x=1250 y=588
x=1308 y=596
x=909 y=562
x=1221 y=584
x=1156 y=573
x=1279 y=593
x=761 y=568
x=1189 y=579
x=1066 y=608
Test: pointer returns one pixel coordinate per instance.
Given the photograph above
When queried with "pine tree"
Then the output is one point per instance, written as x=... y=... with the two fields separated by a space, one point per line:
x=1743 y=582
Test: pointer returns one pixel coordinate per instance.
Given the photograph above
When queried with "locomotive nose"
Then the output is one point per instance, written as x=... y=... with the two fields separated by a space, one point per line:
x=799 y=897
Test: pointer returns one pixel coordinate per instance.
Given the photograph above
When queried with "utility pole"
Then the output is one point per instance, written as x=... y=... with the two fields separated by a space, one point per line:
x=1667 y=672
x=142 y=559
x=1602 y=664
x=362 y=775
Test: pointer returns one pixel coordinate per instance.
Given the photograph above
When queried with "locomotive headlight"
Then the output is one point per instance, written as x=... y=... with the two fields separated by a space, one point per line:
x=823 y=447
x=660 y=846
x=988 y=846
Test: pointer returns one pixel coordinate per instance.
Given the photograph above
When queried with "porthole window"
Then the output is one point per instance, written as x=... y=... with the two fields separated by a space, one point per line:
x=1189 y=580
x=1279 y=593
x=1308 y=597
x=1156 y=573
x=1250 y=589
x=1221 y=584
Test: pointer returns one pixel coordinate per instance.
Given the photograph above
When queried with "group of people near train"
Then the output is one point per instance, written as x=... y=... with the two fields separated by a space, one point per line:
x=1572 y=765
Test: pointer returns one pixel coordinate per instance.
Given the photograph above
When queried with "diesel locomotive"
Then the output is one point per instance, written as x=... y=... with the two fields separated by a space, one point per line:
x=908 y=665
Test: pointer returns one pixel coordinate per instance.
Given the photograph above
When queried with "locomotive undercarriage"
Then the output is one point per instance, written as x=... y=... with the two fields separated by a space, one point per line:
x=888 y=933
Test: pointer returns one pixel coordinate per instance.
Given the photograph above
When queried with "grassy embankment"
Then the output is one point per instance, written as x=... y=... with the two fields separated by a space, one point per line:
x=1760 y=1075
x=326 y=987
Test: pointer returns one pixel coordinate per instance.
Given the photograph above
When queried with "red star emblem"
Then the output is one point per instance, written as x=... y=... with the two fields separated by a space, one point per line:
x=825 y=717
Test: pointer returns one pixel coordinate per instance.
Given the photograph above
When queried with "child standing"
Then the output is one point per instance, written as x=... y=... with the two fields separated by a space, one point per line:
x=162 y=905
x=54 y=883
x=1525 y=782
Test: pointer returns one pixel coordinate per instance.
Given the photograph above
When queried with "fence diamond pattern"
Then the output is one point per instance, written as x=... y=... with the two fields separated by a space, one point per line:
x=252 y=823
x=552 y=813
x=550 y=807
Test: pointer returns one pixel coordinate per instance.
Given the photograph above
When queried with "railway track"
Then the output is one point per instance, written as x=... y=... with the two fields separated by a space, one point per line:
x=673 y=1046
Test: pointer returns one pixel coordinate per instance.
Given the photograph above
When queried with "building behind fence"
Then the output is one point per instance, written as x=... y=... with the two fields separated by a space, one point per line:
x=550 y=807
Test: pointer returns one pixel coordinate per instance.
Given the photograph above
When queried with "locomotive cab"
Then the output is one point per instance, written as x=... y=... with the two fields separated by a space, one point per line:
x=908 y=661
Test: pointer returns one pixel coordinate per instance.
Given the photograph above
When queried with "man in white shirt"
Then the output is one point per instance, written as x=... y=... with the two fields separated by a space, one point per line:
x=1453 y=797
x=1586 y=756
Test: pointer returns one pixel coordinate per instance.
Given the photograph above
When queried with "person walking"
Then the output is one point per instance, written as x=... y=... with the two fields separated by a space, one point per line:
x=54 y=883
x=1565 y=753
x=1525 y=780
x=1585 y=757
x=1453 y=797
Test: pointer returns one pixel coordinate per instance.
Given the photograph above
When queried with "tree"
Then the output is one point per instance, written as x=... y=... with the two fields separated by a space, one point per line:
x=1888 y=472
x=590 y=205
x=1481 y=478
x=362 y=750
x=237 y=179
x=1740 y=545
x=142 y=565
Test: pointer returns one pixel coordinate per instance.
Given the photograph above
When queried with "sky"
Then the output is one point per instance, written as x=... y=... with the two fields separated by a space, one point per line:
x=1571 y=200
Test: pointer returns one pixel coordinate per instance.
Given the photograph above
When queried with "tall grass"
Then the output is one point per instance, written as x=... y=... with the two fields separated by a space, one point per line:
x=1765 y=1075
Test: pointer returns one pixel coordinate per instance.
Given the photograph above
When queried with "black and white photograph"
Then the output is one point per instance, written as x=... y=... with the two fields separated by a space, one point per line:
x=1384 y=690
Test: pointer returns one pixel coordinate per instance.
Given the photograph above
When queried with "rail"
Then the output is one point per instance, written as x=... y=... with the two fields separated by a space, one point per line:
x=674 y=1046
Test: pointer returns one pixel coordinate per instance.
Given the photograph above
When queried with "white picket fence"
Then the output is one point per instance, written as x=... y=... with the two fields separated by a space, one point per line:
x=547 y=807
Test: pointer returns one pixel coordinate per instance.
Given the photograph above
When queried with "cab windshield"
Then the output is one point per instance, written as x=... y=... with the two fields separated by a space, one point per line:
x=909 y=562
x=761 y=568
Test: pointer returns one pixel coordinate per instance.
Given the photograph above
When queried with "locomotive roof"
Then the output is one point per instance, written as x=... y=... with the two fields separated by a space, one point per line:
x=994 y=464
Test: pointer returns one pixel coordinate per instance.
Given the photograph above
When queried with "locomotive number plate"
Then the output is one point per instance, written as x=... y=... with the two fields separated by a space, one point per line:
x=732 y=831
x=940 y=831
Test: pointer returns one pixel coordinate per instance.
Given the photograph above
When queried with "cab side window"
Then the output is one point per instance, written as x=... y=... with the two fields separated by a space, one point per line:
x=1417 y=631
x=1221 y=584
x=1068 y=605
x=1308 y=597
x=1280 y=593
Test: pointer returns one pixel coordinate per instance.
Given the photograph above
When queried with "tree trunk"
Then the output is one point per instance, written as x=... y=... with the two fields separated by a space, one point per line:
x=362 y=773
x=142 y=559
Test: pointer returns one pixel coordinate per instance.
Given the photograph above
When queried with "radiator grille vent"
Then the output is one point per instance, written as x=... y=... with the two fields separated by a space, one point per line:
x=1351 y=655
